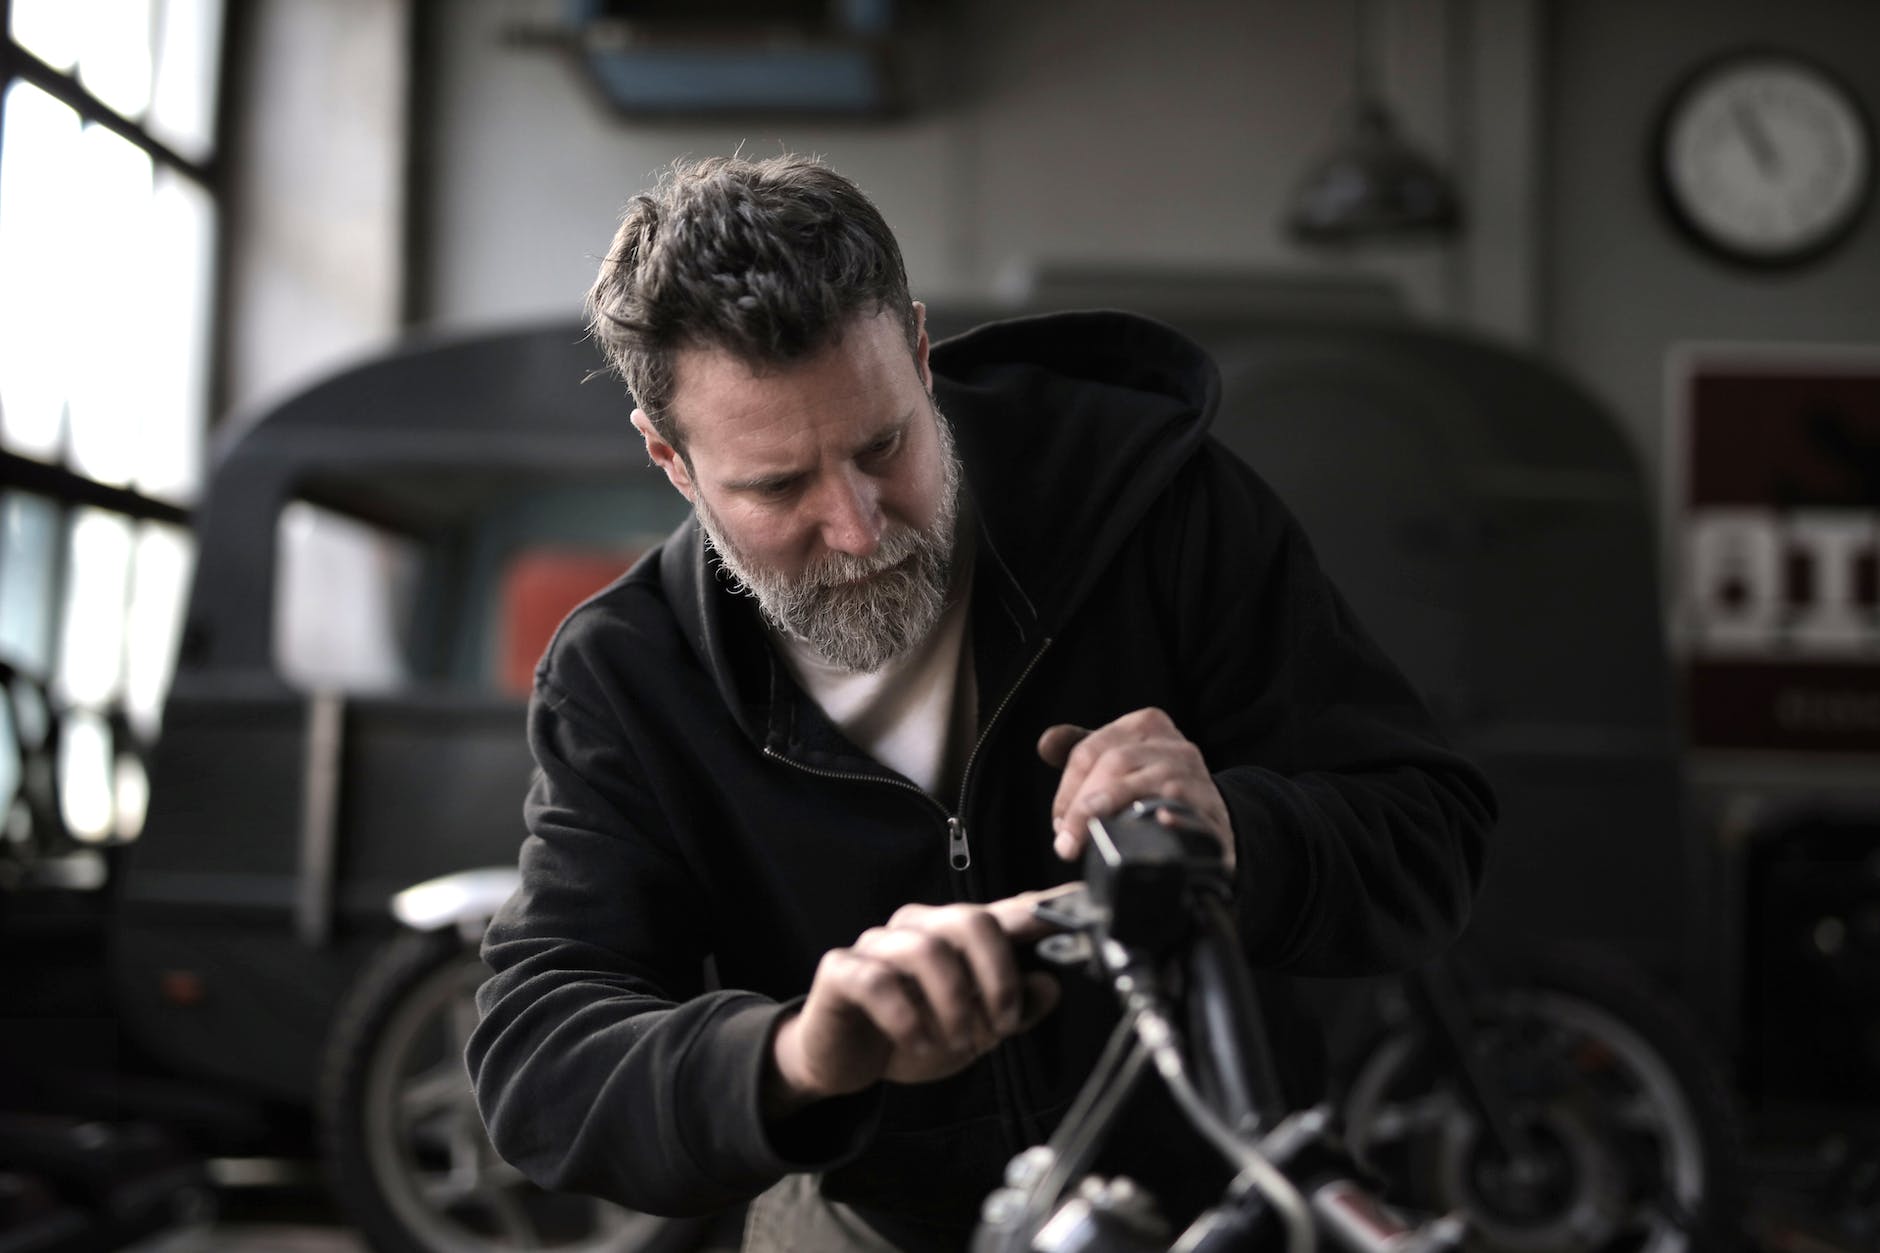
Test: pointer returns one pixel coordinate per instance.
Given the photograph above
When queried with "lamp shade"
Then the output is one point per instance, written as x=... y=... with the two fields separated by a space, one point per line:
x=1373 y=186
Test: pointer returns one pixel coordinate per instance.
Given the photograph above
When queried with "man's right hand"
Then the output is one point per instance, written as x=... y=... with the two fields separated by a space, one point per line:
x=911 y=1002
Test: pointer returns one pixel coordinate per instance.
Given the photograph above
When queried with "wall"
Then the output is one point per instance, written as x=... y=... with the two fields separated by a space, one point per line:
x=1118 y=130
x=1620 y=286
x=317 y=190
x=1112 y=130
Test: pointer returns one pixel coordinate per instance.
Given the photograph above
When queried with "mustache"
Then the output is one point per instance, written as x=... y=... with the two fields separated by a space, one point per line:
x=832 y=570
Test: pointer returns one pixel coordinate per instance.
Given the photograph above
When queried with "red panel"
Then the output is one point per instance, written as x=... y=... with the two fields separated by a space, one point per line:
x=540 y=588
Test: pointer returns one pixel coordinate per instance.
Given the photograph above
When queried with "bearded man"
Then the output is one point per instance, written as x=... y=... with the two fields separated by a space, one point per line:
x=936 y=607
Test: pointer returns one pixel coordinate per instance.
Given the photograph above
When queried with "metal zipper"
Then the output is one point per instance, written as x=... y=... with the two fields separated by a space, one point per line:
x=966 y=775
x=861 y=778
x=959 y=848
x=959 y=852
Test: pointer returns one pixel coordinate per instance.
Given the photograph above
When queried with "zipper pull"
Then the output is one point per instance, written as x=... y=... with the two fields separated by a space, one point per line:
x=958 y=854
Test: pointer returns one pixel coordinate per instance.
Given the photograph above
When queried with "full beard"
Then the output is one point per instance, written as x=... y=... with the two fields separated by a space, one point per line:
x=858 y=613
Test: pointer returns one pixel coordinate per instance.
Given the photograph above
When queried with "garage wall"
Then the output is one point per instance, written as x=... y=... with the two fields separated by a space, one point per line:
x=1092 y=129
x=317 y=161
x=1620 y=286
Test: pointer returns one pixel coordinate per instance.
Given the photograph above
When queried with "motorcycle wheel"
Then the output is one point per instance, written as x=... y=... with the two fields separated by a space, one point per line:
x=1632 y=1143
x=404 y=1146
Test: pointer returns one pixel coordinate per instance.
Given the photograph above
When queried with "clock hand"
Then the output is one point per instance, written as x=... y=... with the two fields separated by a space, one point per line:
x=1749 y=125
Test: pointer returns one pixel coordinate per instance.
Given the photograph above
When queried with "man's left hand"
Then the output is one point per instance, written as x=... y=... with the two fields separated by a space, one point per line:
x=1138 y=756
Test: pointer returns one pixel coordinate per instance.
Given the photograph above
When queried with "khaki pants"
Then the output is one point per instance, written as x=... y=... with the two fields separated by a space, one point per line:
x=794 y=1217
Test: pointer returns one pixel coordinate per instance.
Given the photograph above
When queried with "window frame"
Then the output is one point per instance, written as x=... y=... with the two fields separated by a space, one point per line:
x=66 y=489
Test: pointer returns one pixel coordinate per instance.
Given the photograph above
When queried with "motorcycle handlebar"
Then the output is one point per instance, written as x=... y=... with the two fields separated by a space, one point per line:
x=1156 y=904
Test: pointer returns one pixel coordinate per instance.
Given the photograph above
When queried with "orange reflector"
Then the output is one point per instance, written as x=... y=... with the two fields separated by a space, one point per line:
x=182 y=988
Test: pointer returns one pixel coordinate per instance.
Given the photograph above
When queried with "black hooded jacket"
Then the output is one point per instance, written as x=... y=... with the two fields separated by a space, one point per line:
x=692 y=800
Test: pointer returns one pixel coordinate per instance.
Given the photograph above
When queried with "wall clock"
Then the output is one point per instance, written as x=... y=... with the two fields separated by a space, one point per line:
x=1765 y=158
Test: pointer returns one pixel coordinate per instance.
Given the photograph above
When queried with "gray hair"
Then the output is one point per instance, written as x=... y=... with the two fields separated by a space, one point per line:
x=768 y=259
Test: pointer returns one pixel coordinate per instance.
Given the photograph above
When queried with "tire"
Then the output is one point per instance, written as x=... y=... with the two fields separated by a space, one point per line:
x=1636 y=1144
x=404 y=1146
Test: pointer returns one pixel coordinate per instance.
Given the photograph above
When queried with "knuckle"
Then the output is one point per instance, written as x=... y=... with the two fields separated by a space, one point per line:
x=923 y=946
x=952 y=922
x=907 y=915
x=980 y=922
x=1140 y=757
x=876 y=980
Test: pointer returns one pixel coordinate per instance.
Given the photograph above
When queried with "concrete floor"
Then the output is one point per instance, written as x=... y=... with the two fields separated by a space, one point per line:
x=255 y=1237
x=296 y=1216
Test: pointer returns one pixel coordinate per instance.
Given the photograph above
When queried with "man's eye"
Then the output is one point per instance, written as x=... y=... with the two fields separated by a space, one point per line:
x=883 y=446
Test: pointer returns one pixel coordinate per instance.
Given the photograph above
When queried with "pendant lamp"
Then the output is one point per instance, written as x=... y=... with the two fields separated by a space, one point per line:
x=1374 y=184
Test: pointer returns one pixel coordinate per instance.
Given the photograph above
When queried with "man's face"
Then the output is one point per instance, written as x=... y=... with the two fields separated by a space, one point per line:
x=828 y=488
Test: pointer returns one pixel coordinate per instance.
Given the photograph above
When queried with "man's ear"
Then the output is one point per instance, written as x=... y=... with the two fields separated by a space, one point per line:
x=664 y=455
x=920 y=346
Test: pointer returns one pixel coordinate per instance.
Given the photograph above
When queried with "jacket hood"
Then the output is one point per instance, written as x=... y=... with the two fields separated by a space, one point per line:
x=1069 y=426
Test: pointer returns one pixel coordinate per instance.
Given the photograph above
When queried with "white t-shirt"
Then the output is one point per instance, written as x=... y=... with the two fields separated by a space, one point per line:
x=918 y=713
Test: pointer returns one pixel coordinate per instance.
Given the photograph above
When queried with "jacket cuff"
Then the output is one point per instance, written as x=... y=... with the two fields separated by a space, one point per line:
x=819 y=1137
x=1274 y=881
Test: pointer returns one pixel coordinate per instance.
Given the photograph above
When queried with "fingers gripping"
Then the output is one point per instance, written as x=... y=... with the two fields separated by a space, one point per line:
x=936 y=976
x=912 y=1001
x=1141 y=754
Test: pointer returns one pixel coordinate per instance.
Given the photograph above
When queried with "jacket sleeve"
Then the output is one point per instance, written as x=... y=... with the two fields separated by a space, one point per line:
x=1360 y=836
x=600 y=1063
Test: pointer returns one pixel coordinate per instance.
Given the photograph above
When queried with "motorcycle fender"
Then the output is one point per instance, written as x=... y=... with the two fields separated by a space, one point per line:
x=466 y=900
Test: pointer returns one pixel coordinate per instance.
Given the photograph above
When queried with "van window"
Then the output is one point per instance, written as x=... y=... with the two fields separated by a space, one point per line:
x=390 y=579
x=345 y=597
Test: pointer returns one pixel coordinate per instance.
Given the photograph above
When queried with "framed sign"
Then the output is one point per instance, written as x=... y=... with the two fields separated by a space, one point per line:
x=1773 y=530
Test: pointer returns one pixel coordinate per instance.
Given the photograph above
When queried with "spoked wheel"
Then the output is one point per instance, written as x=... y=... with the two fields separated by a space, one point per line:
x=405 y=1147
x=1624 y=1137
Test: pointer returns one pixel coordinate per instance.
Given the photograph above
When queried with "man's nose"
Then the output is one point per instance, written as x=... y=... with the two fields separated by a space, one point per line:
x=851 y=514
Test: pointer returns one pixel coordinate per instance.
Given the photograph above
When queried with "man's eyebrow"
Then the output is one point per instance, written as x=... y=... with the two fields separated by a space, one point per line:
x=896 y=427
x=772 y=478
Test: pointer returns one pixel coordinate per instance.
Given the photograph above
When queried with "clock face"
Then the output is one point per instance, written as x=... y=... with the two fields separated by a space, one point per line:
x=1766 y=159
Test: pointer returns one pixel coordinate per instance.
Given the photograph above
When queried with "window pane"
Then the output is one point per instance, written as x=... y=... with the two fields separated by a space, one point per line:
x=130 y=798
x=39 y=289
x=344 y=595
x=9 y=766
x=160 y=574
x=112 y=257
x=85 y=775
x=114 y=54
x=168 y=407
x=29 y=548
x=91 y=645
x=49 y=29
x=189 y=51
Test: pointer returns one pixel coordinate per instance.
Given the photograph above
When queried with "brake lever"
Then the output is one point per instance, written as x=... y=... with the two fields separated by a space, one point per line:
x=1076 y=918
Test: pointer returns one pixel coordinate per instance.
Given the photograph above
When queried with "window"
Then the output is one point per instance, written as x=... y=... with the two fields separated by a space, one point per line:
x=345 y=596
x=453 y=581
x=108 y=222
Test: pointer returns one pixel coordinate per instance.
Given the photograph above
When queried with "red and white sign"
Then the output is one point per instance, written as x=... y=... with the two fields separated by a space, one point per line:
x=1773 y=518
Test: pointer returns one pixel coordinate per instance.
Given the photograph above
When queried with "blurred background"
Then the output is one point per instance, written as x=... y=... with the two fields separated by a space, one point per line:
x=1557 y=322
